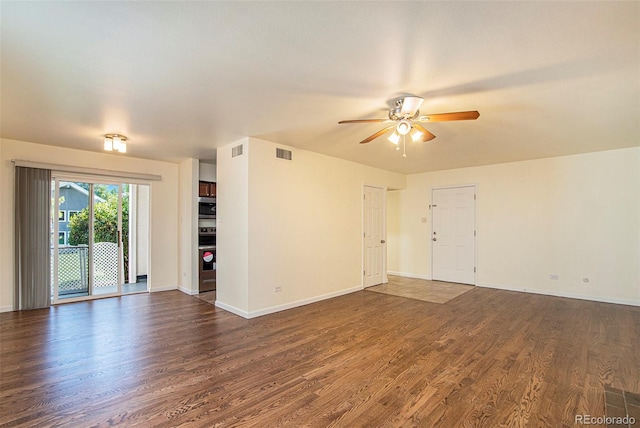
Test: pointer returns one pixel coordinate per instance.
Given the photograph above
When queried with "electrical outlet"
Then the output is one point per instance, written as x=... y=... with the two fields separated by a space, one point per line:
x=278 y=289
x=554 y=276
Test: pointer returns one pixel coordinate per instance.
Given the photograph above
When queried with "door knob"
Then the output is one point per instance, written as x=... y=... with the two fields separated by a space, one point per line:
x=383 y=241
x=434 y=239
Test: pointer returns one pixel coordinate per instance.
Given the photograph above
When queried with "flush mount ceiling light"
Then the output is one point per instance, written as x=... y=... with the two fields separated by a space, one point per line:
x=115 y=142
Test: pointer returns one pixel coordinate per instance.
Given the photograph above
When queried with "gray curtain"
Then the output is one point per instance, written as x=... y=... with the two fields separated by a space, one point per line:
x=32 y=238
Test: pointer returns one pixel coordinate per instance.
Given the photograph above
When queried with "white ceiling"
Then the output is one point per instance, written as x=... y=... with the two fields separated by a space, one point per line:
x=182 y=78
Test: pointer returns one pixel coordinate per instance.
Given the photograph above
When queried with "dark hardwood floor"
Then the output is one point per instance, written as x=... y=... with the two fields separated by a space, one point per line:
x=486 y=358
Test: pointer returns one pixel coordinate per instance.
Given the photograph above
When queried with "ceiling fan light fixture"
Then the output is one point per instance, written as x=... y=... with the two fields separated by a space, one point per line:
x=394 y=138
x=416 y=135
x=403 y=127
x=410 y=105
x=405 y=118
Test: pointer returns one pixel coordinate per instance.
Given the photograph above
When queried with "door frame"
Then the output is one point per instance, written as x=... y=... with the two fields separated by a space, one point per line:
x=475 y=226
x=96 y=179
x=384 y=189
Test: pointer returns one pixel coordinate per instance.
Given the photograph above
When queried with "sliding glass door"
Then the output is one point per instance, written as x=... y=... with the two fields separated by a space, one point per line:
x=92 y=239
x=106 y=239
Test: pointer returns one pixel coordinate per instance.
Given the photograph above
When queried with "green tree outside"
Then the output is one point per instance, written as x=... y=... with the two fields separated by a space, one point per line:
x=105 y=225
x=101 y=190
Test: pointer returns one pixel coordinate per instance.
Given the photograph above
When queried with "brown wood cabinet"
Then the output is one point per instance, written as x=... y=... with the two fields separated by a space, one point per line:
x=207 y=189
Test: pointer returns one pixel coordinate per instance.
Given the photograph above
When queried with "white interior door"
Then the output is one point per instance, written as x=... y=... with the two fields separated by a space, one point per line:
x=453 y=234
x=374 y=236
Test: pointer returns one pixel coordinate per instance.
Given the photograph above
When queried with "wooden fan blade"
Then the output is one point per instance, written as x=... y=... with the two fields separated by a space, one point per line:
x=426 y=135
x=445 y=117
x=364 y=121
x=377 y=134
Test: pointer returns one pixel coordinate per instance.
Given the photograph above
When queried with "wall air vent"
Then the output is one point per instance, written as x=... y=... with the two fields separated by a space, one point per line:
x=236 y=151
x=284 y=154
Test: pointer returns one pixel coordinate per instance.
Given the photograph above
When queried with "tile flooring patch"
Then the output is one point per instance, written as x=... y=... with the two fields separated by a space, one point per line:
x=622 y=404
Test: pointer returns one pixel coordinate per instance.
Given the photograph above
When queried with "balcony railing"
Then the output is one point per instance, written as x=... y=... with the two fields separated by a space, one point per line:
x=73 y=267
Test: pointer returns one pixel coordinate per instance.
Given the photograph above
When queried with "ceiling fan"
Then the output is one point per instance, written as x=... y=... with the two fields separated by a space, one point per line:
x=405 y=118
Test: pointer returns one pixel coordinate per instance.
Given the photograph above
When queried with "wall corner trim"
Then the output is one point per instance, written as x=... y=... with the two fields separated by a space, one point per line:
x=285 y=306
x=168 y=288
x=302 y=302
x=232 y=309
x=409 y=275
x=188 y=291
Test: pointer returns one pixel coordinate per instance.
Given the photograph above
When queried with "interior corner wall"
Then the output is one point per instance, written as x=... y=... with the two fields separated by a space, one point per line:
x=188 y=227
x=163 y=239
x=305 y=225
x=232 y=242
x=577 y=217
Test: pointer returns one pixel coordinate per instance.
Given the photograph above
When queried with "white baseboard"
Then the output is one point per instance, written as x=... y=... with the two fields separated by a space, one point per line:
x=409 y=275
x=564 y=294
x=602 y=299
x=285 y=306
x=6 y=308
x=232 y=309
x=176 y=287
x=188 y=291
x=167 y=288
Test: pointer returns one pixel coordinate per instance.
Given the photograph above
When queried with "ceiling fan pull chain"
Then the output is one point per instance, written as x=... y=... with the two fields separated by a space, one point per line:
x=404 y=146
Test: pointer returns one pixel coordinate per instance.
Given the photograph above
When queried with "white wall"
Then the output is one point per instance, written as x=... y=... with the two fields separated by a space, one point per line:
x=573 y=216
x=232 y=240
x=164 y=207
x=304 y=225
x=208 y=172
x=188 y=209
x=6 y=228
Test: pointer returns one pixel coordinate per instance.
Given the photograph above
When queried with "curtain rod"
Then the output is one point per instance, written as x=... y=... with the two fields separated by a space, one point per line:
x=85 y=170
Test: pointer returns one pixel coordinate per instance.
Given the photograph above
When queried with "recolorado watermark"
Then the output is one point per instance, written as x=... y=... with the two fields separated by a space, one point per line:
x=604 y=420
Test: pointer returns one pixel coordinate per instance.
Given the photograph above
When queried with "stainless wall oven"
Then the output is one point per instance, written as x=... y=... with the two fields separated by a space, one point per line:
x=207 y=269
x=207 y=236
x=207 y=258
x=206 y=207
